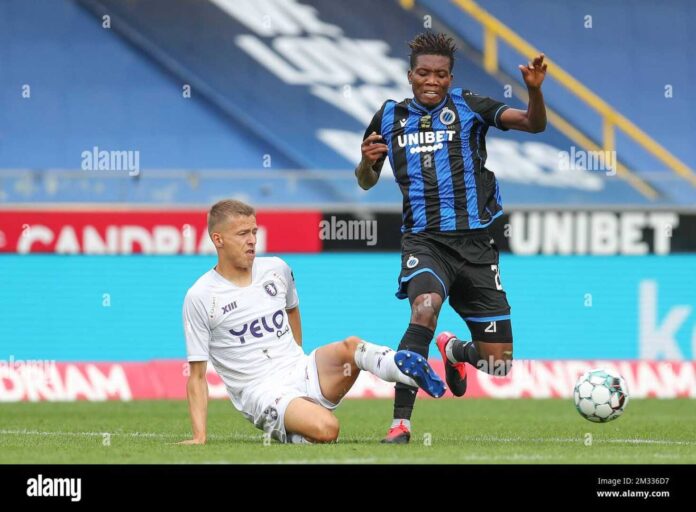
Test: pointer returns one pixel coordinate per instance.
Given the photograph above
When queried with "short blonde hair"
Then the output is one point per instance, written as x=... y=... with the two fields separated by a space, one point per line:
x=222 y=210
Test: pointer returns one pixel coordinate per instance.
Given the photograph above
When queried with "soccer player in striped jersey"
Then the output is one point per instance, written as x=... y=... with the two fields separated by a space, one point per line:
x=436 y=146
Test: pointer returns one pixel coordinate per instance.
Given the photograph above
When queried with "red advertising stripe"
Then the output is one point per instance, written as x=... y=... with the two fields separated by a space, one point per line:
x=166 y=379
x=145 y=232
x=291 y=231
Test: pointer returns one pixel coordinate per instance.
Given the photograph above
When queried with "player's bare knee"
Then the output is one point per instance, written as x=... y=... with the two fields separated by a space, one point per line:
x=424 y=317
x=424 y=310
x=352 y=343
x=326 y=429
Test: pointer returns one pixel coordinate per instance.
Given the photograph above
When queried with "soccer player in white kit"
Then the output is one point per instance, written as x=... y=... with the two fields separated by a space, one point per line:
x=243 y=316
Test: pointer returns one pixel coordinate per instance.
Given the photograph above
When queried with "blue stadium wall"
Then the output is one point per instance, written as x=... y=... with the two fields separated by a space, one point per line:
x=115 y=308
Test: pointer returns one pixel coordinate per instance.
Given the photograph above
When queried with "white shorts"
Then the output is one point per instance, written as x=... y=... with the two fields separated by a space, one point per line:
x=265 y=404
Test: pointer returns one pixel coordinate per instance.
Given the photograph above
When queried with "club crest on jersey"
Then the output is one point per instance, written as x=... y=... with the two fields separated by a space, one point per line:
x=412 y=261
x=270 y=288
x=447 y=116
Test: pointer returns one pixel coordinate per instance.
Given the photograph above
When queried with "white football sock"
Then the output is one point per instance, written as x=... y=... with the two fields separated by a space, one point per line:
x=379 y=361
x=397 y=421
x=448 y=351
x=293 y=438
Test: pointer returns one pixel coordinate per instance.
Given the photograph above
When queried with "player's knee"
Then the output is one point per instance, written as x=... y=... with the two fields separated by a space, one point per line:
x=352 y=342
x=424 y=310
x=326 y=429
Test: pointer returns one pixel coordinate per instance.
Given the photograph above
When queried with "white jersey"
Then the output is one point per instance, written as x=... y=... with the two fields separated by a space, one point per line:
x=243 y=331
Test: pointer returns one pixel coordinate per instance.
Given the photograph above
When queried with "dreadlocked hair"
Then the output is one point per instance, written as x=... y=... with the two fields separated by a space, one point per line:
x=430 y=43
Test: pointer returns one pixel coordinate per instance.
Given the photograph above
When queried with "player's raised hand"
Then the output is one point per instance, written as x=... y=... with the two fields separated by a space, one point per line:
x=534 y=72
x=373 y=148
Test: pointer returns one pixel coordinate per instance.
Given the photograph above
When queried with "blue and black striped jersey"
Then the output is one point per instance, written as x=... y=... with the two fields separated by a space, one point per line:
x=438 y=156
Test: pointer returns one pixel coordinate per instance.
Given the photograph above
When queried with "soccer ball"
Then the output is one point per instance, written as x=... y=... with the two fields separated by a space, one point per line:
x=600 y=395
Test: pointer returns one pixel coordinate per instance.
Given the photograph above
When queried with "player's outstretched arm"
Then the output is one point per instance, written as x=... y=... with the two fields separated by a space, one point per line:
x=197 y=393
x=534 y=119
x=295 y=324
x=372 y=151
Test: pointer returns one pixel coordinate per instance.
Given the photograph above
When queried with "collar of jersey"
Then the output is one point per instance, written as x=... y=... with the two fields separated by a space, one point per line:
x=219 y=277
x=425 y=110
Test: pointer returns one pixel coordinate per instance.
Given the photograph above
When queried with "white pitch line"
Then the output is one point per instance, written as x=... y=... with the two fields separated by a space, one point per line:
x=82 y=434
x=370 y=460
x=649 y=441
x=493 y=439
x=588 y=458
x=126 y=434
x=513 y=457
x=434 y=440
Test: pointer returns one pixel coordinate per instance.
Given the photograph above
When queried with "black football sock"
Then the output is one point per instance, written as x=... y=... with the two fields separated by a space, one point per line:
x=465 y=351
x=416 y=339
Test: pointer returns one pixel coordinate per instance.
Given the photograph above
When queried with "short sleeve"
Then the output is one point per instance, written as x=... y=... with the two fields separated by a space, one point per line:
x=487 y=109
x=196 y=328
x=292 y=300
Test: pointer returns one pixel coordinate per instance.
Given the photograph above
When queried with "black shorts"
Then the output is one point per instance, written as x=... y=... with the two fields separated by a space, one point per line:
x=460 y=265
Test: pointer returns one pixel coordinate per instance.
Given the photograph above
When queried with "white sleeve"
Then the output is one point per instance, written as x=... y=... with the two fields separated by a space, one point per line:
x=196 y=329
x=292 y=300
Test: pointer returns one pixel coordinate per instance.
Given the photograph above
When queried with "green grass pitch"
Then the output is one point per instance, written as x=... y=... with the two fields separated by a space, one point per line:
x=477 y=431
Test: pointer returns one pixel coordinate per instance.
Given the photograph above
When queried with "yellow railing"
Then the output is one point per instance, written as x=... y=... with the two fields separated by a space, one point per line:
x=611 y=119
x=494 y=30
